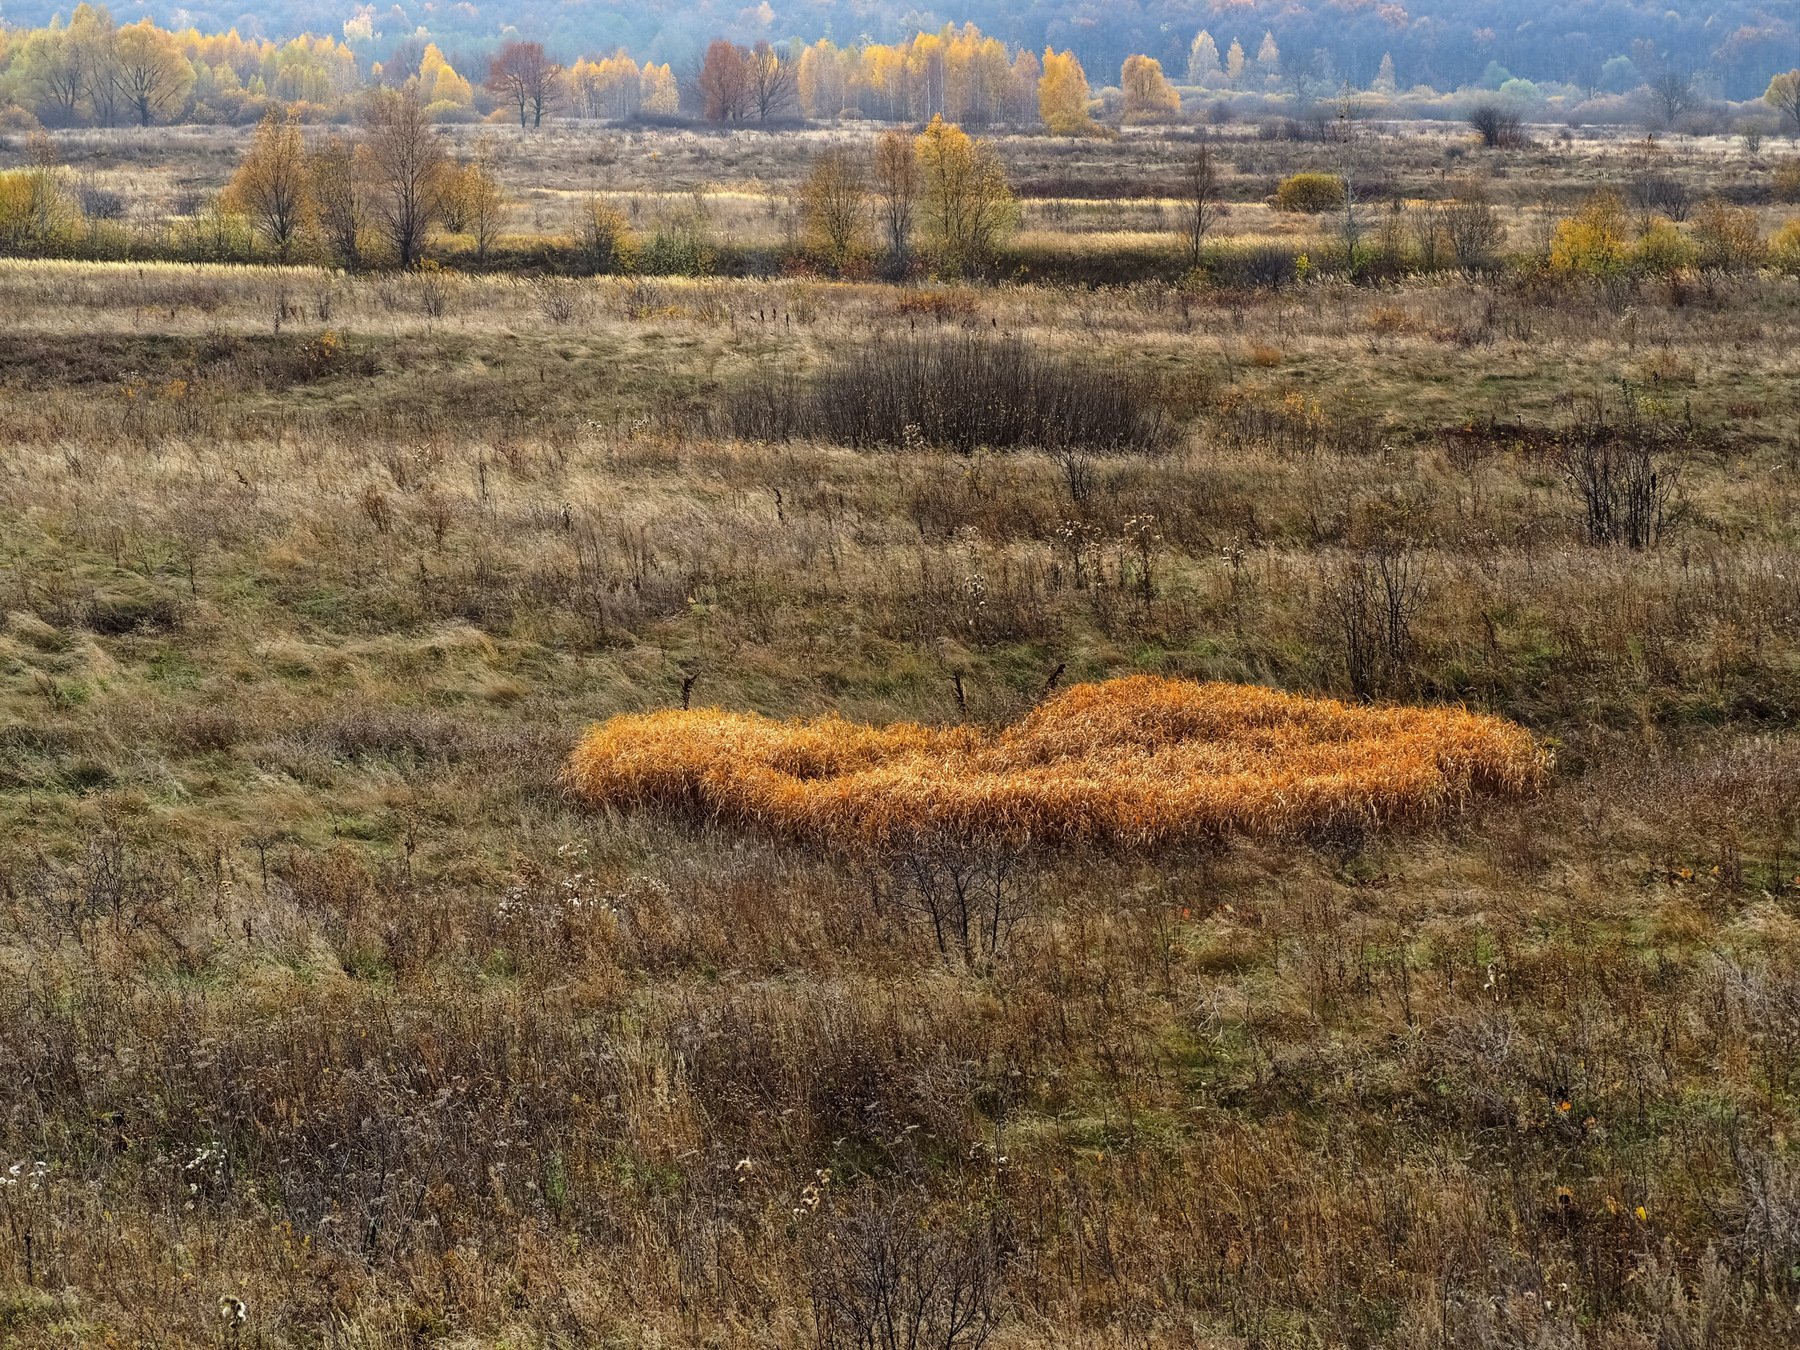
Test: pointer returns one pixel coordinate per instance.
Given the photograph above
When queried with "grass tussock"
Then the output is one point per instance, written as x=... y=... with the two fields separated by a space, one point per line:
x=1135 y=762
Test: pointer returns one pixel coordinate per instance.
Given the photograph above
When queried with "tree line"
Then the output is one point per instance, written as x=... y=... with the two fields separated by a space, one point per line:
x=91 y=70
x=1732 y=46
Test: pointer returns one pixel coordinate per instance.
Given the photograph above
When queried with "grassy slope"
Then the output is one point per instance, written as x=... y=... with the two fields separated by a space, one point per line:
x=293 y=654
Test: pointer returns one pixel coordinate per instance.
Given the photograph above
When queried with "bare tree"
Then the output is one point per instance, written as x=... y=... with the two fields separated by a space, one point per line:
x=836 y=205
x=1350 y=224
x=1672 y=93
x=1472 y=228
x=771 y=80
x=523 y=75
x=896 y=180
x=1200 y=205
x=407 y=162
x=340 y=199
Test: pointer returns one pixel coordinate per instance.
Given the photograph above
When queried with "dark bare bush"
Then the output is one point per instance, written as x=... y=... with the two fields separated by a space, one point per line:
x=1498 y=127
x=116 y=614
x=1253 y=267
x=109 y=904
x=959 y=393
x=1369 y=602
x=804 y=1073
x=900 y=1275
x=1654 y=189
x=98 y=203
x=970 y=899
x=1625 y=466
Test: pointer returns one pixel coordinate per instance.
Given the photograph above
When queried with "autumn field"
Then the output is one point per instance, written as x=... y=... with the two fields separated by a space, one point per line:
x=1112 y=809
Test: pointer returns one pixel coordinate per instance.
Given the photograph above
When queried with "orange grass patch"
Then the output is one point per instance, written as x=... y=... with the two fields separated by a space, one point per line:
x=1135 y=762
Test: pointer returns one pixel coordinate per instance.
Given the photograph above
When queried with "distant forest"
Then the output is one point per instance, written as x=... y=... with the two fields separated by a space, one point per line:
x=1733 y=47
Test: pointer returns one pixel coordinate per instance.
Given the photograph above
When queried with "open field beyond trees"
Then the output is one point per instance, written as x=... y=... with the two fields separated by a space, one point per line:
x=340 y=1007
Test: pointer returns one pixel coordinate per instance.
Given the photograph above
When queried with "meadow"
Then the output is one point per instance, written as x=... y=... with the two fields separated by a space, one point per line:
x=334 y=1011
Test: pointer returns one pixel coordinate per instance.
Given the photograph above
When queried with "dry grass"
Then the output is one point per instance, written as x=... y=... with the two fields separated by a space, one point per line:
x=320 y=990
x=1132 y=763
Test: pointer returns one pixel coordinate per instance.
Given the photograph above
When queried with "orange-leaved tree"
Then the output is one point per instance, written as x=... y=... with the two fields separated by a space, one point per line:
x=272 y=185
x=525 y=76
x=724 y=82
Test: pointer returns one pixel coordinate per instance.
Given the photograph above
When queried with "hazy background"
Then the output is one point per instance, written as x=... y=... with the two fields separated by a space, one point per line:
x=1733 y=47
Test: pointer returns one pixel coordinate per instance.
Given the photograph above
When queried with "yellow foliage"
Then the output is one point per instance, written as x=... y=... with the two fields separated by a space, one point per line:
x=1149 y=97
x=661 y=98
x=1662 y=250
x=439 y=82
x=1135 y=762
x=1063 y=95
x=1594 y=240
x=1784 y=248
x=1310 y=193
x=967 y=205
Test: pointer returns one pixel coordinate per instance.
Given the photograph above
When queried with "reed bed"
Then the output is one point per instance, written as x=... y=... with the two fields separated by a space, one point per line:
x=1140 y=762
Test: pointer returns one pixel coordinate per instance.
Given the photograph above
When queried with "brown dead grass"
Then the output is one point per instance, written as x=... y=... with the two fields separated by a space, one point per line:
x=1136 y=762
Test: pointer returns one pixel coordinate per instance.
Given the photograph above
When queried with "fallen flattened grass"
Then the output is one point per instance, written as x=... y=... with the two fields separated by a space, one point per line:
x=1140 y=762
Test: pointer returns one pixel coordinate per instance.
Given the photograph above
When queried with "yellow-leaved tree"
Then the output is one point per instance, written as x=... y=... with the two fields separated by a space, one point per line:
x=661 y=98
x=150 y=71
x=439 y=84
x=967 y=206
x=272 y=187
x=1149 y=97
x=1063 y=96
x=1783 y=95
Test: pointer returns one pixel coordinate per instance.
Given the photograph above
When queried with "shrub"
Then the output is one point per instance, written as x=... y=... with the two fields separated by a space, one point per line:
x=605 y=238
x=1497 y=127
x=1472 y=228
x=682 y=243
x=961 y=393
x=1786 y=181
x=98 y=203
x=1652 y=186
x=1625 y=468
x=1131 y=763
x=895 y=1274
x=1310 y=193
x=1253 y=266
x=1784 y=248
x=1727 y=238
x=1662 y=250
x=1593 y=241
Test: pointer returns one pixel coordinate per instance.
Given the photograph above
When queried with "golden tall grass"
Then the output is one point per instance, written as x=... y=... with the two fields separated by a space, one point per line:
x=1137 y=762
